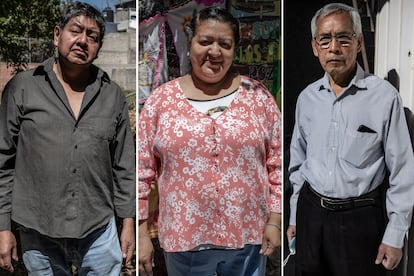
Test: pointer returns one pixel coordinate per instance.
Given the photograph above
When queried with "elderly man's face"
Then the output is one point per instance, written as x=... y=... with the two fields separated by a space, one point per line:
x=79 y=41
x=336 y=45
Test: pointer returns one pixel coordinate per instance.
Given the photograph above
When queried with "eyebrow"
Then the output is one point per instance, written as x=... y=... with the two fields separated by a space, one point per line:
x=227 y=39
x=335 y=34
x=81 y=26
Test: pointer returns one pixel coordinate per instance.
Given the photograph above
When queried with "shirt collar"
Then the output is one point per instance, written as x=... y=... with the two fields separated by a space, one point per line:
x=100 y=74
x=358 y=81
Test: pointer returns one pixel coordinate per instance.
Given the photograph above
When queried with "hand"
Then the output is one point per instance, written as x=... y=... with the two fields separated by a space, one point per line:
x=388 y=256
x=8 y=250
x=271 y=235
x=271 y=240
x=291 y=232
x=127 y=240
x=145 y=251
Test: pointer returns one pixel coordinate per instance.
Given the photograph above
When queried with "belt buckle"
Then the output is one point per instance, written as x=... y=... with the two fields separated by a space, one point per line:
x=330 y=205
x=323 y=204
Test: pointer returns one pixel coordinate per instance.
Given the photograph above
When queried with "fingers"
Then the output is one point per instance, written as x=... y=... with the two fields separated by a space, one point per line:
x=127 y=240
x=8 y=250
x=145 y=256
x=127 y=253
x=5 y=263
x=389 y=264
x=290 y=232
x=14 y=254
x=380 y=256
x=266 y=249
x=289 y=237
x=388 y=256
x=145 y=268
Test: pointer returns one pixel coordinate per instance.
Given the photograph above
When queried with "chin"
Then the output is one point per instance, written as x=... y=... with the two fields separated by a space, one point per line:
x=80 y=61
x=216 y=78
x=333 y=69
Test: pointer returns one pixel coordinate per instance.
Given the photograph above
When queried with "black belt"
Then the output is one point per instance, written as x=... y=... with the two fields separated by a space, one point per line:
x=332 y=204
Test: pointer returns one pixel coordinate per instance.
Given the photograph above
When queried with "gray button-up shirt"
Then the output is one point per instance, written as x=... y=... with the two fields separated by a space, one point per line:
x=343 y=145
x=61 y=176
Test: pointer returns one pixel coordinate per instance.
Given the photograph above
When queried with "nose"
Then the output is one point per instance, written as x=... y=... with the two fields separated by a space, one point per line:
x=82 y=38
x=335 y=45
x=215 y=49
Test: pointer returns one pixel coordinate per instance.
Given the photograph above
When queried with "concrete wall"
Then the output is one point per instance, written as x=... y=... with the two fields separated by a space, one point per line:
x=118 y=58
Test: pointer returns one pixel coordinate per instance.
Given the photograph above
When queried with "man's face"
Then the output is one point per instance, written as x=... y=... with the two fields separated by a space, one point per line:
x=336 y=45
x=78 y=42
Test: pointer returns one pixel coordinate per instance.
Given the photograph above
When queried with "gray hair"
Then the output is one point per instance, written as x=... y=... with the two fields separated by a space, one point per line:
x=335 y=8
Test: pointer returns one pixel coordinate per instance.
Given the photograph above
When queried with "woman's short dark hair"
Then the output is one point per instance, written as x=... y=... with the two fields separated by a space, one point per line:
x=219 y=14
x=79 y=8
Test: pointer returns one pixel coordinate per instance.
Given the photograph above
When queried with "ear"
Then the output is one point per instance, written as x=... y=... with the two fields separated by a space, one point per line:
x=56 y=34
x=315 y=48
x=360 y=41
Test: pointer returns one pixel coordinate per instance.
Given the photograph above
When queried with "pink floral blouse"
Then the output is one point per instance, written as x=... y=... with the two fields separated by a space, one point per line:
x=218 y=179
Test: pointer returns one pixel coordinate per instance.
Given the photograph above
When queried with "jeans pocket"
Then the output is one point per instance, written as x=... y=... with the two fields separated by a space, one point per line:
x=37 y=264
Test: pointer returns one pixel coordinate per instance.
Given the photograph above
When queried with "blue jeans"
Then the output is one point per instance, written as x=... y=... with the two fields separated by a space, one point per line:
x=97 y=254
x=221 y=262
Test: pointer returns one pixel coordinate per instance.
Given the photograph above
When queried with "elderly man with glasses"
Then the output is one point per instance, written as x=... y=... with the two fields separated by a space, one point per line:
x=350 y=135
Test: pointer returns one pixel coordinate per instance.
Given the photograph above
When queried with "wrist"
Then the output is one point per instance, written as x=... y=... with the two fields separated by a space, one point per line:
x=128 y=223
x=275 y=226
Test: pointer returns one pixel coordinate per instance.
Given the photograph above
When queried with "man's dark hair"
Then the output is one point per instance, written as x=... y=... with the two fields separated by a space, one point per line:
x=218 y=14
x=79 y=8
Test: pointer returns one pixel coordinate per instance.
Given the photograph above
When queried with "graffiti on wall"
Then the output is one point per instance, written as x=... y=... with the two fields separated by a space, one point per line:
x=258 y=54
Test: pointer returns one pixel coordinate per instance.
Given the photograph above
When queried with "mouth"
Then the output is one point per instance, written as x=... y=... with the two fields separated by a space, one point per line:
x=334 y=61
x=214 y=64
x=80 y=53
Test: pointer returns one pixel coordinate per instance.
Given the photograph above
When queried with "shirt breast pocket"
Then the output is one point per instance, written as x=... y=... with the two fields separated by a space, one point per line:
x=100 y=129
x=360 y=149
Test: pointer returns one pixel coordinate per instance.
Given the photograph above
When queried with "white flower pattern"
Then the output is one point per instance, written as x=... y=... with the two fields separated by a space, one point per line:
x=218 y=179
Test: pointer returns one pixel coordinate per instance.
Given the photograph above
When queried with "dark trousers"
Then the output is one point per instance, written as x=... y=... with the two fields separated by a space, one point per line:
x=337 y=243
x=217 y=262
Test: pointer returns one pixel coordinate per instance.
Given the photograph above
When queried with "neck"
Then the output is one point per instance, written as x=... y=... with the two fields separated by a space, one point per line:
x=212 y=88
x=76 y=77
x=339 y=82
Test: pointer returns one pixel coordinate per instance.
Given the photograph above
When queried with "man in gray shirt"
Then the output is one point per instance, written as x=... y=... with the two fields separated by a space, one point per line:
x=350 y=130
x=67 y=162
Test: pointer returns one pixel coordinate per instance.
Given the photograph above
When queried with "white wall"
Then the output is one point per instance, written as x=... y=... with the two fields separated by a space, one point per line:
x=395 y=45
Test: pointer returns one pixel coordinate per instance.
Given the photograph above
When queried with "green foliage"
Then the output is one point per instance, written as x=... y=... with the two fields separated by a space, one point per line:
x=26 y=31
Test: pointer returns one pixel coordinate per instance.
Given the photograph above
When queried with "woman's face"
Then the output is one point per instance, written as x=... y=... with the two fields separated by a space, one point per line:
x=212 y=50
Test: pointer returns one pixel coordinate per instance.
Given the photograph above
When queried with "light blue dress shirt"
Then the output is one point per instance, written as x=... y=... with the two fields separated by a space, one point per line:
x=340 y=161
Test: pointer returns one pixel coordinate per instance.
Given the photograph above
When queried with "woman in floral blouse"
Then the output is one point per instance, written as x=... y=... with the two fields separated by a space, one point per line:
x=212 y=141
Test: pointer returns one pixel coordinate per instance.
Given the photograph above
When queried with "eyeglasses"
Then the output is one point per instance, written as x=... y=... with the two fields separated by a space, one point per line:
x=344 y=39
